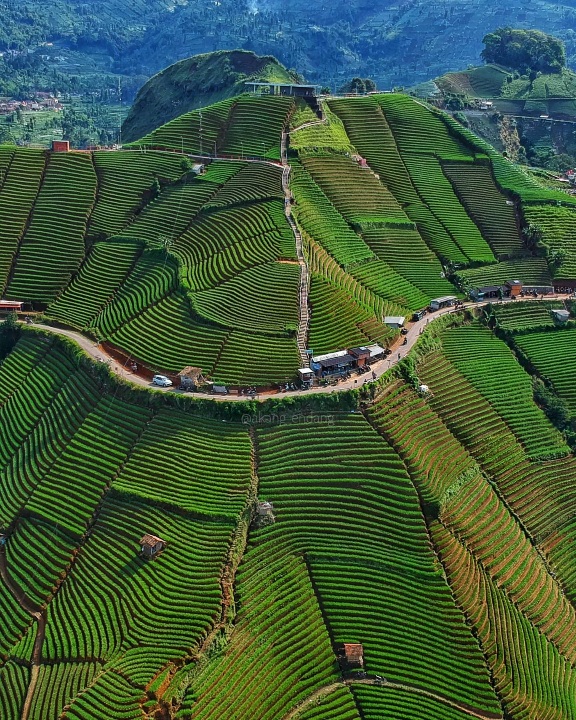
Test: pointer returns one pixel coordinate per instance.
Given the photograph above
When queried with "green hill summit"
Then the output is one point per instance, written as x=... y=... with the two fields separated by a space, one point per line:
x=196 y=82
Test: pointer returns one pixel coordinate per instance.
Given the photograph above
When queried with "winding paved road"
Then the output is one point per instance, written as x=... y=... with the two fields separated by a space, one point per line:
x=399 y=351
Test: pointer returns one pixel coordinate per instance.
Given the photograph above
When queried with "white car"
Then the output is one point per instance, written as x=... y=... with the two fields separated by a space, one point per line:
x=161 y=380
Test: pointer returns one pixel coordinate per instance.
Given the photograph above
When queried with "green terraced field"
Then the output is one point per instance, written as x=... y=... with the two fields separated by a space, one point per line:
x=552 y=356
x=433 y=526
x=524 y=317
x=371 y=509
x=181 y=269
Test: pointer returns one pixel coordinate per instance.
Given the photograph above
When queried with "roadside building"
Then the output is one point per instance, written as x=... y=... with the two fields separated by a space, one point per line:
x=394 y=321
x=362 y=355
x=332 y=363
x=306 y=376
x=487 y=292
x=513 y=288
x=442 y=302
x=7 y=306
x=376 y=352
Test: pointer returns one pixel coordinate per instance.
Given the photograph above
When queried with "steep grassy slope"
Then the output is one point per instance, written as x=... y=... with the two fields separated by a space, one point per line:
x=196 y=82
x=553 y=94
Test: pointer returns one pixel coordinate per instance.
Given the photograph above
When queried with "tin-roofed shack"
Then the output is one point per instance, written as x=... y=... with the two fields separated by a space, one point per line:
x=8 y=306
x=394 y=321
x=487 y=291
x=442 y=302
x=560 y=316
x=332 y=363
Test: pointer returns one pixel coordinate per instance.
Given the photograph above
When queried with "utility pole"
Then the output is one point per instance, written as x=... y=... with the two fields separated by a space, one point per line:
x=201 y=153
x=120 y=112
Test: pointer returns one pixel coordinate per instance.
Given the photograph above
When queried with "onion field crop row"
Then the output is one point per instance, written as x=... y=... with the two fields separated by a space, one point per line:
x=52 y=247
x=557 y=225
x=492 y=369
x=408 y=254
x=530 y=674
x=354 y=191
x=523 y=317
x=337 y=321
x=280 y=651
x=198 y=131
x=90 y=476
x=319 y=218
x=553 y=356
x=371 y=134
x=17 y=195
x=487 y=206
x=344 y=483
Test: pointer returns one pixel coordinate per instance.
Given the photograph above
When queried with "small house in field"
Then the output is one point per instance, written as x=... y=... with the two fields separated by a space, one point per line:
x=264 y=514
x=151 y=545
x=60 y=146
x=198 y=168
x=3 y=539
x=350 y=655
x=265 y=508
x=560 y=316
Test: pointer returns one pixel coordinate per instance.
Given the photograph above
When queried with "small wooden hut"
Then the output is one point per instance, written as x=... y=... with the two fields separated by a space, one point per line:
x=151 y=545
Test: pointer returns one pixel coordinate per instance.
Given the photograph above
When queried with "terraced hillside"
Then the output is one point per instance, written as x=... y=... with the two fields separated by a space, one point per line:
x=373 y=211
x=421 y=525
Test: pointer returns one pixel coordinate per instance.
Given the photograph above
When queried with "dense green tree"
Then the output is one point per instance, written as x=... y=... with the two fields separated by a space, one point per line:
x=528 y=51
x=9 y=334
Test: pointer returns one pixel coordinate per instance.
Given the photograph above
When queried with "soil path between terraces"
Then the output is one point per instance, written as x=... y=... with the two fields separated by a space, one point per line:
x=329 y=689
x=28 y=606
x=399 y=351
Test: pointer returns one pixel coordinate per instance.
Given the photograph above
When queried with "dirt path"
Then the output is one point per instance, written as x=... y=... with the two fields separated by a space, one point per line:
x=304 y=284
x=379 y=368
x=329 y=689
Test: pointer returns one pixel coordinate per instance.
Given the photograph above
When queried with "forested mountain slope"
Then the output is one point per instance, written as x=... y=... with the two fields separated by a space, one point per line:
x=396 y=43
